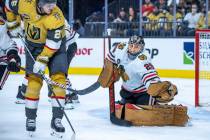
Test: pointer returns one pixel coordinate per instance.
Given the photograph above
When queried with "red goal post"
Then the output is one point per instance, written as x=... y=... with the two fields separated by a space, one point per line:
x=202 y=67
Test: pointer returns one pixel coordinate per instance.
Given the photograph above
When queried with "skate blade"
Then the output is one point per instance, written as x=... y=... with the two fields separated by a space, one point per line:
x=75 y=101
x=20 y=101
x=31 y=133
x=57 y=134
x=68 y=107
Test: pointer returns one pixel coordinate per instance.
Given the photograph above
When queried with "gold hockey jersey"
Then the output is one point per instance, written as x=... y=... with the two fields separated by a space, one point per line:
x=41 y=29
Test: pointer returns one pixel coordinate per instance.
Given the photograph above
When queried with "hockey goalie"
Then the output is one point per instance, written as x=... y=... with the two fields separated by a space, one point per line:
x=144 y=95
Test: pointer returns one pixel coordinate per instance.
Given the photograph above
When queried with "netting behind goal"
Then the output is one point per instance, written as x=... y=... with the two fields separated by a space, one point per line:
x=202 y=68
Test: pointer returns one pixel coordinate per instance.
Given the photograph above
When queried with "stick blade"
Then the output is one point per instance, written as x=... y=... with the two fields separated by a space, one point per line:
x=73 y=137
x=120 y=122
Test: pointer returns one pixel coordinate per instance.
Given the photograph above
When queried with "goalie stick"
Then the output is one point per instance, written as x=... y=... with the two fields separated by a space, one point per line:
x=50 y=88
x=113 y=117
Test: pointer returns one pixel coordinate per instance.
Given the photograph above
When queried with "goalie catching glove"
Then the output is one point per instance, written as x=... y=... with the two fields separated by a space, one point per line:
x=164 y=92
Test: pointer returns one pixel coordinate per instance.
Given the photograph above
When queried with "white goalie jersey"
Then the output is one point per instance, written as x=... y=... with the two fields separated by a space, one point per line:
x=6 y=43
x=141 y=73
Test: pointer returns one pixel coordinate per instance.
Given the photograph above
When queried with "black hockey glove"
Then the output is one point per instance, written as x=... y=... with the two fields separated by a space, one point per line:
x=14 y=61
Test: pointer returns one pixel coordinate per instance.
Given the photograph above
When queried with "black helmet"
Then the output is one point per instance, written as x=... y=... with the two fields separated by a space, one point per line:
x=136 y=40
x=43 y=2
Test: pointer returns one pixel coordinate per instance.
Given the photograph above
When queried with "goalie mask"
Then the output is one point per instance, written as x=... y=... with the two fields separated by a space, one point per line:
x=135 y=46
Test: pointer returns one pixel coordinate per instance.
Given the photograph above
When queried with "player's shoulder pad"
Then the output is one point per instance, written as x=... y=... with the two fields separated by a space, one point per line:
x=142 y=57
x=55 y=19
x=12 y=5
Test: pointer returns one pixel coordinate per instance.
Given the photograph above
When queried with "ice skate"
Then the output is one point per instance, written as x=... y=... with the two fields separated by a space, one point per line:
x=20 y=99
x=70 y=101
x=56 y=134
x=57 y=128
x=31 y=133
x=72 y=98
x=69 y=106
x=31 y=126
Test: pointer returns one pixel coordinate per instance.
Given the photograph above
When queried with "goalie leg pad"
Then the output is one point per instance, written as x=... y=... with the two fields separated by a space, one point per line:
x=157 y=115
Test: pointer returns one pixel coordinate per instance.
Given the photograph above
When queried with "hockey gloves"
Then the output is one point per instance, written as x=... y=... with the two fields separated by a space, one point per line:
x=14 y=61
x=42 y=60
x=163 y=92
x=15 y=28
x=16 y=32
x=40 y=64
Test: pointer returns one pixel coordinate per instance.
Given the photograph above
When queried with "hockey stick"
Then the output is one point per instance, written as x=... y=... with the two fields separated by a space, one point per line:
x=85 y=91
x=4 y=75
x=113 y=117
x=50 y=88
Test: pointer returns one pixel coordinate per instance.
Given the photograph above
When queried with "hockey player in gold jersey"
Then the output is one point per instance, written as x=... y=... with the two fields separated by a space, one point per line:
x=45 y=39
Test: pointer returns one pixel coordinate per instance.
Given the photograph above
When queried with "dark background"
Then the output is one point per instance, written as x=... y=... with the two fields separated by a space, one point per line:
x=82 y=8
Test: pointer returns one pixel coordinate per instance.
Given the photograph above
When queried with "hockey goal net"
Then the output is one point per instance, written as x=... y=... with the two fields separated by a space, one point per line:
x=202 y=68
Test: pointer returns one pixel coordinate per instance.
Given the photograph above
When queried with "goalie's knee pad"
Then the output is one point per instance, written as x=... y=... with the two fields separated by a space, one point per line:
x=34 y=87
x=157 y=115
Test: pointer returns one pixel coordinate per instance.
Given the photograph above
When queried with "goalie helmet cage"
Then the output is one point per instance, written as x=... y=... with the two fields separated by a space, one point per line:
x=202 y=68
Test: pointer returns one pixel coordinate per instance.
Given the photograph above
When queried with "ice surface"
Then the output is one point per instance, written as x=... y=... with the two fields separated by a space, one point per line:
x=90 y=118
